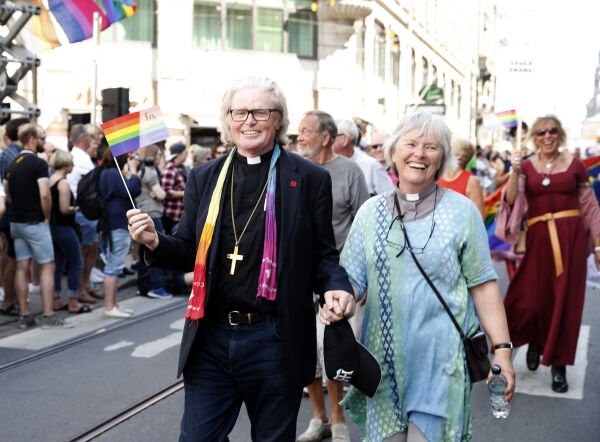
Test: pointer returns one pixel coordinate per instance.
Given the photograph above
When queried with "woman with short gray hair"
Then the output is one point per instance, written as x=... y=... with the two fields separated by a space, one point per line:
x=425 y=388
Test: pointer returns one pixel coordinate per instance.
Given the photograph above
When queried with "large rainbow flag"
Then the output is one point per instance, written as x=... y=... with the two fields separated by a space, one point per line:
x=137 y=129
x=70 y=21
x=592 y=165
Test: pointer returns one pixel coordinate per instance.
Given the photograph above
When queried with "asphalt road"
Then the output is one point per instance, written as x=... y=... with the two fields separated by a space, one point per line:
x=57 y=397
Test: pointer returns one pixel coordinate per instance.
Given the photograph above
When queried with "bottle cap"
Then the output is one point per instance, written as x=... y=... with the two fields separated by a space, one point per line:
x=496 y=369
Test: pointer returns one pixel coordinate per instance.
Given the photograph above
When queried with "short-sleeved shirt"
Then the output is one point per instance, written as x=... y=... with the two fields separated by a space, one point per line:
x=146 y=203
x=82 y=164
x=349 y=193
x=23 y=175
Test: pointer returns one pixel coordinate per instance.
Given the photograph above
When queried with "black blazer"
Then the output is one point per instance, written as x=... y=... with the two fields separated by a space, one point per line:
x=307 y=260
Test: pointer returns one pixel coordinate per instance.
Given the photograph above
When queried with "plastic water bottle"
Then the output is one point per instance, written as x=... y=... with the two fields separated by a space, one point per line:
x=497 y=384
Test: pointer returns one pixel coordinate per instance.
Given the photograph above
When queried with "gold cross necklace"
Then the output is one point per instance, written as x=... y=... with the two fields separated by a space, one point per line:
x=234 y=257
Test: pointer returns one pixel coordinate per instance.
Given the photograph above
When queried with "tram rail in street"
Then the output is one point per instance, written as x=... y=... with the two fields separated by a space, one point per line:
x=88 y=336
x=129 y=412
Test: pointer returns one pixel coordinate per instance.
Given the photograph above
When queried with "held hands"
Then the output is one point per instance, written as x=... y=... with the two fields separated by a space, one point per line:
x=516 y=160
x=141 y=228
x=503 y=357
x=338 y=304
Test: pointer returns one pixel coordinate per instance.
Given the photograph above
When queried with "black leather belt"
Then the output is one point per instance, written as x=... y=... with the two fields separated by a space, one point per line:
x=237 y=318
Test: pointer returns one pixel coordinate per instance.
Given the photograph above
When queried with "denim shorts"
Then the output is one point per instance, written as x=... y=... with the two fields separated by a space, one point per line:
x=115 y=257
x=89 y=229
x=32 y=239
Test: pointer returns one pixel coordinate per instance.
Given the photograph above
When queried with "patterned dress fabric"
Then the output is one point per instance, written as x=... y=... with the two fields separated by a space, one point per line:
x=424 y=380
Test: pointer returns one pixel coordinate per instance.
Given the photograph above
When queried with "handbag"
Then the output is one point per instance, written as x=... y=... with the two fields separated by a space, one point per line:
x=520 y=245
x=475 y=346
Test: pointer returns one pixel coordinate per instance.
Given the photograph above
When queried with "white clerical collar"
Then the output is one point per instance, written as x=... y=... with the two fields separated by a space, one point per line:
x=253 y=160
x=412 y=197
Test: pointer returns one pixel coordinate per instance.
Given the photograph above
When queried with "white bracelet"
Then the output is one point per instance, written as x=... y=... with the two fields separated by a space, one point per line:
x=597 y=249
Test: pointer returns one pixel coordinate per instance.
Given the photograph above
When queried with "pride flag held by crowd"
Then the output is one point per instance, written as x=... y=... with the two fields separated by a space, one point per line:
x=500 y=120
x=70 y=21
x=592 y=165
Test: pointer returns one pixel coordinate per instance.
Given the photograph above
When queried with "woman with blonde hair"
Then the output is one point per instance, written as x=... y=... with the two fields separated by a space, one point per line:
x=461 y=180
x=544 y=301
x=67 y=249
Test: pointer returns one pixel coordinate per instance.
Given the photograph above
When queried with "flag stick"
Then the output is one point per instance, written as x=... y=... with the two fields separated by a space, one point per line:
x=125 y=184
x=518 y=140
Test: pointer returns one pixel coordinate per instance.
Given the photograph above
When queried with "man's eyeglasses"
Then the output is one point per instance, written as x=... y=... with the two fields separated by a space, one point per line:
x=542 y=132
x=257 y=114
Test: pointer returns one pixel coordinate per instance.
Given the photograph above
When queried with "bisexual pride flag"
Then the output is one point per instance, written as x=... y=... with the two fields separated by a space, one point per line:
x=132 y=131
x=500 y=120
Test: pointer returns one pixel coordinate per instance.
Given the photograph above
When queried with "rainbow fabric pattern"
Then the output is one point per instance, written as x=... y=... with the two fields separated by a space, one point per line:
x=267 y=280
x=132 y=131
x=500 y=120
x=75 y=17
x=119 y=9
x=491 y=208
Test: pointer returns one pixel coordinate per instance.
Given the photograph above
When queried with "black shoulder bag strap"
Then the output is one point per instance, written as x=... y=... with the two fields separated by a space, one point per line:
x=435 y=290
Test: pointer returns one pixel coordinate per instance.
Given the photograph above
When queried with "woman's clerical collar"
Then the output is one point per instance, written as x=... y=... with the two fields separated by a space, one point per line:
x=254 y=160
x=411 y=197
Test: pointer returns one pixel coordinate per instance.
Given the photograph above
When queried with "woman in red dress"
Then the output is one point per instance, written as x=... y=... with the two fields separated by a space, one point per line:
x=544 y=301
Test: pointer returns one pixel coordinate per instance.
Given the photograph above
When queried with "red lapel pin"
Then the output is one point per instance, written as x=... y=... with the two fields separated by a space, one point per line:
x=293 y=183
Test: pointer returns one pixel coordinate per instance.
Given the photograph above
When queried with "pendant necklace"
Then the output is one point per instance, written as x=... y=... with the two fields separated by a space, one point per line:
x=235 y=257
x=546 y=179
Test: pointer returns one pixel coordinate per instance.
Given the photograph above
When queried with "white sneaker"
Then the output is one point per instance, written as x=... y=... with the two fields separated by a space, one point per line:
x=33 y=289
x=316 y=431
x=116 y=313
x=127 y=310
x=339 y=433
x=96 y=276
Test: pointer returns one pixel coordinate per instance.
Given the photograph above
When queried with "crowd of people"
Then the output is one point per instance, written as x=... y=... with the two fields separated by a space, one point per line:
x=280 y=236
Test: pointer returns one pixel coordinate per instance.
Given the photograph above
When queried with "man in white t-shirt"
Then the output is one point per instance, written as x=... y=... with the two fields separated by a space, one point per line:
x=378 y=180
x=84 y=149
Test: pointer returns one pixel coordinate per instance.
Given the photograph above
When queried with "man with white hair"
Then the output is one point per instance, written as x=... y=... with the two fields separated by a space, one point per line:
x=378 y=181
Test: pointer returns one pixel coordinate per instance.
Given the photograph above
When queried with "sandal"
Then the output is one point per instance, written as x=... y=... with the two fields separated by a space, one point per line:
x=94 y=293
x=83 y=309
x=62 y=307
x=11 y=310
x=86 y=297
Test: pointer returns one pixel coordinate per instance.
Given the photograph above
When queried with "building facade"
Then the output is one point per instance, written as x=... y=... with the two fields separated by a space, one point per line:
x=368 y=60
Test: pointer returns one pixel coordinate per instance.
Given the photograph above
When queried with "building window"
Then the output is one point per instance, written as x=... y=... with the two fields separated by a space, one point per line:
x=269 y=30
x=302 y=27
x=395 y=61
x=379 y=55
x=207 y=25
x=413 y=72
x=239 y=27
x=248 y=26
x=138 y=27
x=425 y=72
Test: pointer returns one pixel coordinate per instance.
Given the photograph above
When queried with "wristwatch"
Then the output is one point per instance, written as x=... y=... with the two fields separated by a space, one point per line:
x=505 y=345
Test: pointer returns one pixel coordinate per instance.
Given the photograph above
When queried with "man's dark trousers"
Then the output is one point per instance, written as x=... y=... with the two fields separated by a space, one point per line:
x=234 y=364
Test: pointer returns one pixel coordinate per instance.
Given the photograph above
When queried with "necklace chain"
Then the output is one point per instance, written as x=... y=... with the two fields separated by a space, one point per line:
x=237 y=240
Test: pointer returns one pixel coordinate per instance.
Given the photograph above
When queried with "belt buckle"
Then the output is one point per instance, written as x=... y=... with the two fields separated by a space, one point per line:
x=229 y=317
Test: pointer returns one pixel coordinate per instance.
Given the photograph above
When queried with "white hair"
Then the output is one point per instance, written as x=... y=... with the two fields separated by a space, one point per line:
x=278 y=102
x=348 y=127
x=427 y=124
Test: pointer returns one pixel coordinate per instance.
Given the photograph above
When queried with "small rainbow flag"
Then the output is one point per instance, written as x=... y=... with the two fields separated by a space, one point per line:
x=137 y=129
x=500 y=120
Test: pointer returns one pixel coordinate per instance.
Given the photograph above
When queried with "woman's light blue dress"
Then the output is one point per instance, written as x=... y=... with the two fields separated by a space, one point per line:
x=405 y=326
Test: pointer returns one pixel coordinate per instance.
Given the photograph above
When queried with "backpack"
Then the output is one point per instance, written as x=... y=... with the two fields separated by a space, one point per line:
x=89 y=200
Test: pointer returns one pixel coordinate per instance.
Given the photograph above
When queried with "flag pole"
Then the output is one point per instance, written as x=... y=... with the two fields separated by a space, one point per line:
x=124 y=183
x=518 y=140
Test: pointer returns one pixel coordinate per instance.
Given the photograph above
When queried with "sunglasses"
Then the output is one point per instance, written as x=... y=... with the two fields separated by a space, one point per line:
x=542 y=132
x=376 y=146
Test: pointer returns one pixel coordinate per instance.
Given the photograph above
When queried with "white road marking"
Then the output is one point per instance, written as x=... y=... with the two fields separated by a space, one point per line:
x=178 y=325
x=152 y=348
x=538 y=383
x=37 y=338
x=118 y=345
